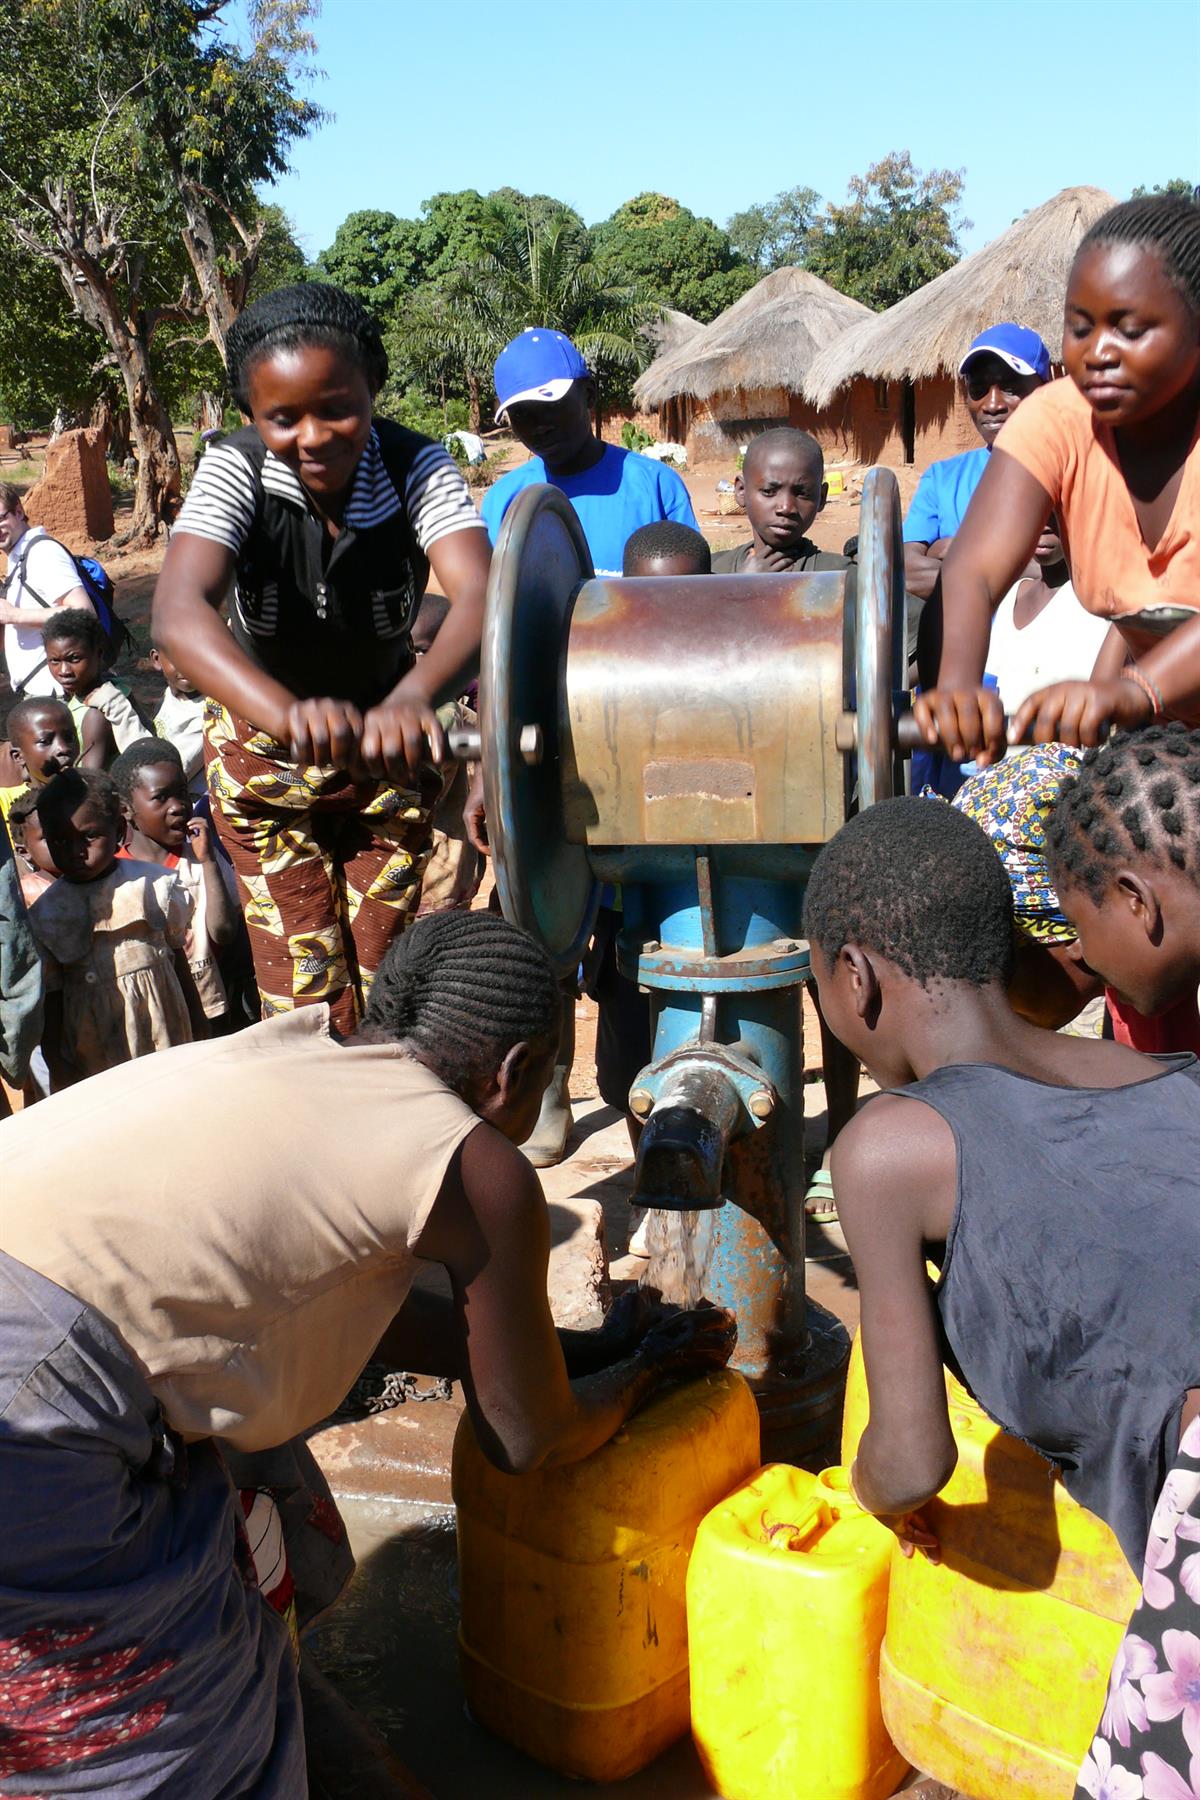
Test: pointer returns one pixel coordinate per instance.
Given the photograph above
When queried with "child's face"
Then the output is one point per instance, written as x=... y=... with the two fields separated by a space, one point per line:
x=33 y=843
x=46 y=744
x=1136 y=938
x=312 y=409
x=1131 y=343
x=75 y=667
x=159 y=806
x=83 y=844
x=174 y=677
x=677 y=564
x=782 y=491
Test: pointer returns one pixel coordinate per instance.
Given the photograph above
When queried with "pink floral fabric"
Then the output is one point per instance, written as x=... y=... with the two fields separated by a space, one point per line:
x=1148 y=1743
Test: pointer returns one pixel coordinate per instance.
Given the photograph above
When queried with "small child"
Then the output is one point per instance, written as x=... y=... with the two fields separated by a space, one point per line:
x=666 y=547
x=180 y=720
x=1123 y=844
x=41 y=744
x=111 y=935
x=77 y=654
x=36 y=868
x=157 y=807
x=781 y=488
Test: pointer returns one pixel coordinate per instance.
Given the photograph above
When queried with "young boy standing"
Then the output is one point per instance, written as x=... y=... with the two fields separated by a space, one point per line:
x=781 y=488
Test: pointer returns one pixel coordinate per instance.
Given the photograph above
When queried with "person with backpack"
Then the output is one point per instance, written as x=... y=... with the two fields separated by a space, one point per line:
x=42 y=577
x=321 y=524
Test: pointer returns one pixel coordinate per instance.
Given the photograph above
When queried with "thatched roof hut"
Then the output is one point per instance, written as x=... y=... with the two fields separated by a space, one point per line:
x=918 y=343
x=671 y=331
x=745 y=370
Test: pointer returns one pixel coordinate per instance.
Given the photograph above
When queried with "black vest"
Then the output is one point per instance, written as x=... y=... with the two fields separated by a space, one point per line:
x=330 y=617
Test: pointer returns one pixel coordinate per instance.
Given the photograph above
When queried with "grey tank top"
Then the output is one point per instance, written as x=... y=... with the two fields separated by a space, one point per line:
x=1070 y=1289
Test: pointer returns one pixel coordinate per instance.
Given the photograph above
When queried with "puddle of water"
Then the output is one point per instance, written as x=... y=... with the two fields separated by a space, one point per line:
x=391 y=1648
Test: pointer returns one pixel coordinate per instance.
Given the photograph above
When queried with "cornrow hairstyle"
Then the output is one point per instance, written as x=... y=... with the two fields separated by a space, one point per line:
x=921 y=885
x=74 y=788
x=462 y=988
x=786 y=437
x=146 y=753
x=307 y=314
x=1168 y=223
x=25 y=711
x=1136 y=797
x=666 y=537
x=75 y=622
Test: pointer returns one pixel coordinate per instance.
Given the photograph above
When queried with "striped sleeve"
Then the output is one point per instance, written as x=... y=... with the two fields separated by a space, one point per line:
x=220 y=502
x=437 y=499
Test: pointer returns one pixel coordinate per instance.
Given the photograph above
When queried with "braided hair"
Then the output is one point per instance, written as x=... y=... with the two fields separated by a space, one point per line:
x=296 y=318
x=1167 y=223
x=146 y=753
x=1136 y=796
x=74 y=788
x=921 y=885
x=461 y=988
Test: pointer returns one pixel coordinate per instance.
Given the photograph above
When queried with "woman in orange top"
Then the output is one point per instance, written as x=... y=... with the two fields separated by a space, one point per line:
x=1115 y=453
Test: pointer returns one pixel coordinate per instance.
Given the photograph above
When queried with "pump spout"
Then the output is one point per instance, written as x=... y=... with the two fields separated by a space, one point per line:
x=681 y=1153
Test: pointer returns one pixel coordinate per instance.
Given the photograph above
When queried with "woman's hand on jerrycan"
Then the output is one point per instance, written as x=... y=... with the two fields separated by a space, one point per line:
x=690 y=1343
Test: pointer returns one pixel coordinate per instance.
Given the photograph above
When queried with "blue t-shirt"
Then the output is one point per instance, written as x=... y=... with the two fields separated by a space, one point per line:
x=614 y=498
x=938 y=507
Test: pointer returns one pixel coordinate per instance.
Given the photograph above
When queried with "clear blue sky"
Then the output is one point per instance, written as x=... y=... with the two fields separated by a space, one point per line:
x=722 y=104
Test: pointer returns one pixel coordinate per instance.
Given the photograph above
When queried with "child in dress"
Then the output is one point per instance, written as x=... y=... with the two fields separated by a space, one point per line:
x=180 y=720
x=157 y=808
x=112 y=939
x=77 y=654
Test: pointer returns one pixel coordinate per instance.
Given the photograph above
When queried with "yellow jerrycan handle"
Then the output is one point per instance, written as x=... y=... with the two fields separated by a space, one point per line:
x=794 y=1534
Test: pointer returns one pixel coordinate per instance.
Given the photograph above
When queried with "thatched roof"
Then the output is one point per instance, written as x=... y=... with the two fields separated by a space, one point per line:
x=1021 y=275
x=671 y=331
x=766 y=339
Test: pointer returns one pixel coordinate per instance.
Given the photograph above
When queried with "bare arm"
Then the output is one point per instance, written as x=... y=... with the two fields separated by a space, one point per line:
x=923 y=566
x=185 y=620
x=97 y=745
x=191 y=996
x=395 y=733
x=990 y=550
x=894 y=1175
x=26 y=615
x=221 y=912
x=490 y=1229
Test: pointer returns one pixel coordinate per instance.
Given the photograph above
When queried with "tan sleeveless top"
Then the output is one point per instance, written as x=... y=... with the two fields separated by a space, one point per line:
x=243 y=1210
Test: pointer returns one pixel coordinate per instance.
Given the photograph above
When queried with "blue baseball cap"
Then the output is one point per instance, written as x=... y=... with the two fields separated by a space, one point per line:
x=539 y=365
x=1022 y=349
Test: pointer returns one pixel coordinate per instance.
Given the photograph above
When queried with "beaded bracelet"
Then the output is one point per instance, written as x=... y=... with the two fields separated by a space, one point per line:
x=1153 y=693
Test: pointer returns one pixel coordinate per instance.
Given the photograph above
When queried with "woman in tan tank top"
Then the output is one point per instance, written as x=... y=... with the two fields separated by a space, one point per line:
x=147 y=1311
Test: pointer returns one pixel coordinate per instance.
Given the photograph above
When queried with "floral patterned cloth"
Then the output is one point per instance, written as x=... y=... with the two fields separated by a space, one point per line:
x=1148 y=1743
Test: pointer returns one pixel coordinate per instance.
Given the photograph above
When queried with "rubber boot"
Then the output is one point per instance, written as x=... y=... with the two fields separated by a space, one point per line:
x=548 y=1144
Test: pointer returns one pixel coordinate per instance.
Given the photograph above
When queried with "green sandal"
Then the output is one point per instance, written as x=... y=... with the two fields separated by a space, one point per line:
x=819 y=1203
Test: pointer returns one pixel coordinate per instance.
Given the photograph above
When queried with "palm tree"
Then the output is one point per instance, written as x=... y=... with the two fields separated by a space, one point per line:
x=541 y=273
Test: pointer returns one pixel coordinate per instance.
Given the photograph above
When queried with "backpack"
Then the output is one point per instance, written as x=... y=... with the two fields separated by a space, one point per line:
x=96 y=583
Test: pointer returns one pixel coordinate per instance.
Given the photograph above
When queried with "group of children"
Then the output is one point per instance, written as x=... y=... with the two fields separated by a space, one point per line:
x=940 y=963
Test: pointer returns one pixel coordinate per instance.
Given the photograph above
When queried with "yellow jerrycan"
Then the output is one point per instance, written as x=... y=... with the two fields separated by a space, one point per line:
x=787 y=1598
x=573 y=1634
x=995 y=1662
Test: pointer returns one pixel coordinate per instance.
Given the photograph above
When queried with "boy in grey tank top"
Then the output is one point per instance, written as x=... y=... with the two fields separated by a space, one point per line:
x=1062 y=1177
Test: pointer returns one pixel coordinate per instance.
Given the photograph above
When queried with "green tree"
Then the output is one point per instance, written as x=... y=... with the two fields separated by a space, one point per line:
x=775 y=234
x=671 y=256
x=897 y=230
x=539 y=274
x=376 y=257
x=131 y=148
x=1178 y=184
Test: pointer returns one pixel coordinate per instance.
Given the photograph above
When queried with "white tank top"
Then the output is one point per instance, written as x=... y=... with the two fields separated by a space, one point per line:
x=1061 y=644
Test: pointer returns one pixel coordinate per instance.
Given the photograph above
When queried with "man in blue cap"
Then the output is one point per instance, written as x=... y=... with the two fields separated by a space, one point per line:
x=547 y=396
x=1003 y=365
x=544 y=391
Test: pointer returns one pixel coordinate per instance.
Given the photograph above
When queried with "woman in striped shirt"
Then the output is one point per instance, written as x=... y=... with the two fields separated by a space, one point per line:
x=318 y=525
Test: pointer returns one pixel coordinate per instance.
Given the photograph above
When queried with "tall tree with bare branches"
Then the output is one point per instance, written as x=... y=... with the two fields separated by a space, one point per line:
x=131 y=148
